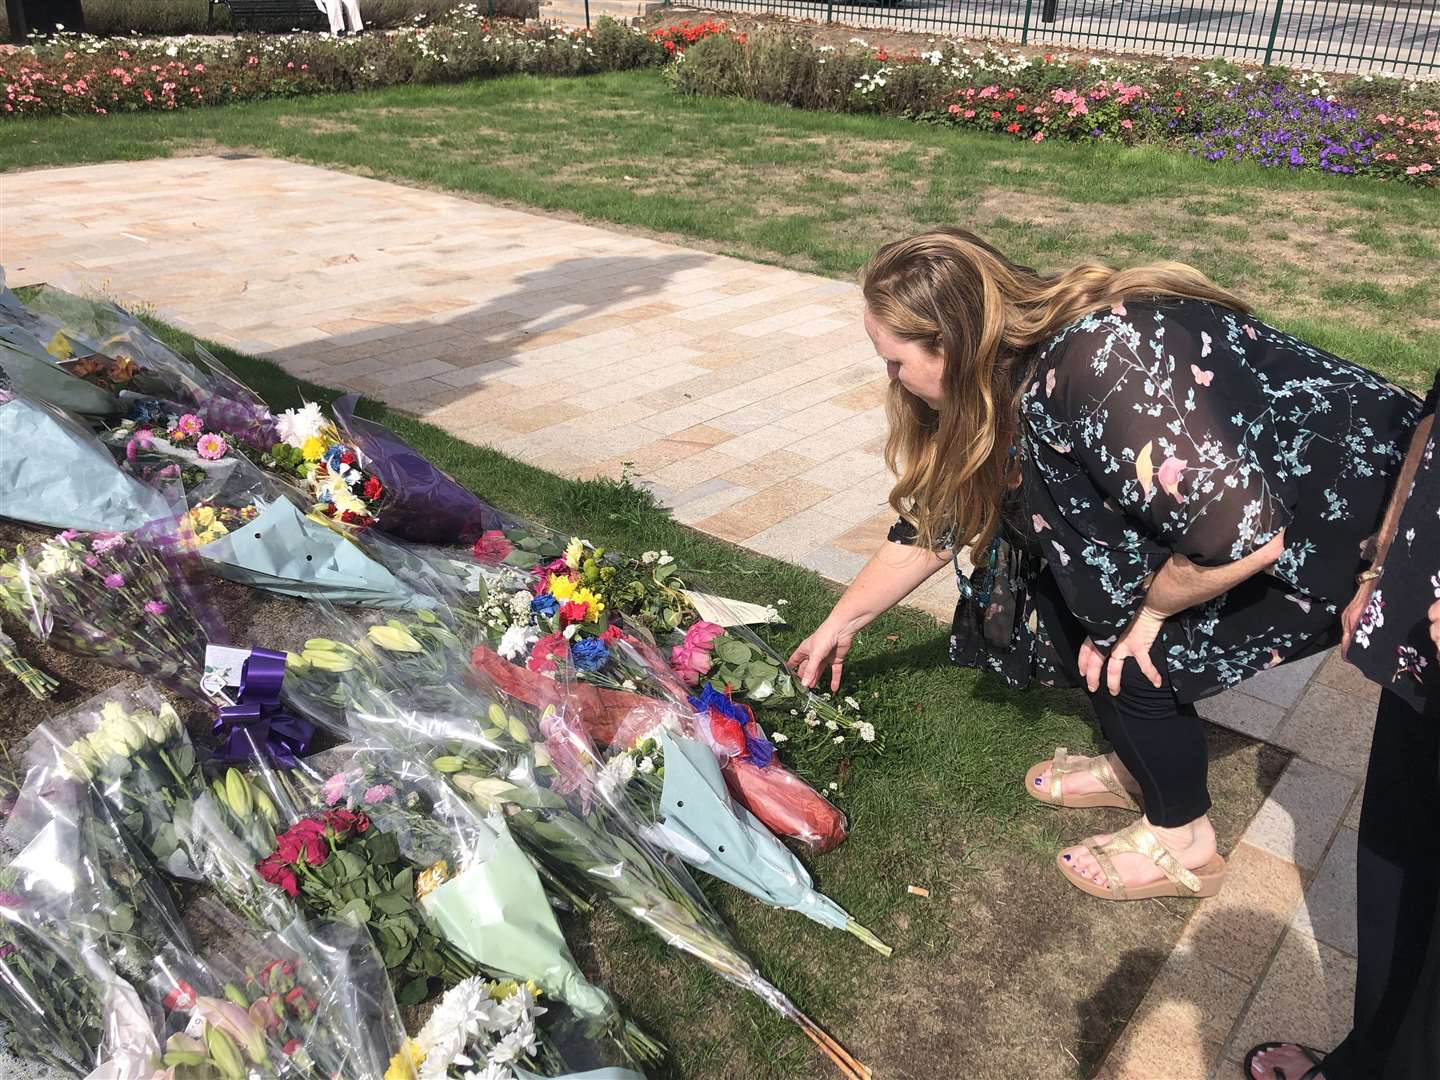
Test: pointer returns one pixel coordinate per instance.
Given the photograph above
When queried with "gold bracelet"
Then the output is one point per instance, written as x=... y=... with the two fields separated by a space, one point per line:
x=1375 y=573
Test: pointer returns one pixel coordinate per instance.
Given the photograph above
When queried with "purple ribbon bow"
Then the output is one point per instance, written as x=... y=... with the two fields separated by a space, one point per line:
x=257 y=721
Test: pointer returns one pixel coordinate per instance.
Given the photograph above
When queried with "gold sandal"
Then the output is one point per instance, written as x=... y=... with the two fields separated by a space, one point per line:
x=1099 y=767
x=1138 y=838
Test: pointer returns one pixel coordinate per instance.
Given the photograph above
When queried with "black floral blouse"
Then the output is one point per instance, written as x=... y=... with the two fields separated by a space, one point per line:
x=1179 y=426
x=1392 y=644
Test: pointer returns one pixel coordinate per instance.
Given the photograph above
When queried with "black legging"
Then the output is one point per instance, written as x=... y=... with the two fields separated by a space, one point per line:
x=1160 y=741
x=1397 y=983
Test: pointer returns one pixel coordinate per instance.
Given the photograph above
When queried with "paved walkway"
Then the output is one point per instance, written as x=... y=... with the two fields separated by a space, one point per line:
x=748 y=396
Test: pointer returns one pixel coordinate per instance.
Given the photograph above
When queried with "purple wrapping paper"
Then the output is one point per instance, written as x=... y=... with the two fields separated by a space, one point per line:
x=423 y=503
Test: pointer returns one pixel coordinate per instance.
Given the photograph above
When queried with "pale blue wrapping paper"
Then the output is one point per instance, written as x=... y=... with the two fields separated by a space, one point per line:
x=284 y=551
x=53 y=472
x=709 y=830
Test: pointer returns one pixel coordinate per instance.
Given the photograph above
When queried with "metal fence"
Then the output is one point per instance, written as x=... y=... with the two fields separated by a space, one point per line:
x=1395 y=38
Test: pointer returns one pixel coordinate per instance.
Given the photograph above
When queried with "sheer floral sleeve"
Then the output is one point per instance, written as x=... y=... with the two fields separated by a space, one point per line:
x=1173 y=429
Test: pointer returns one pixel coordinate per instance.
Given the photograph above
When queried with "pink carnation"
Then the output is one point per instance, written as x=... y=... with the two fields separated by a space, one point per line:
x=492 y=548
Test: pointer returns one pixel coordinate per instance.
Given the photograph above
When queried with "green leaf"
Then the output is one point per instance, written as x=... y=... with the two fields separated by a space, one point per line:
x=351 y=865
x=733 y=651
x=404 y=882
x=356 y=910
x=122 y=919
x=392 y=903
x=760 y=672
x=184 y=759
x=412 y=992
x=164 y=843
x=383 y=847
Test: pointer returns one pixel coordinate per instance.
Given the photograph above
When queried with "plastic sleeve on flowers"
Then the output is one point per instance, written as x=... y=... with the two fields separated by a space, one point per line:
x=786 y=804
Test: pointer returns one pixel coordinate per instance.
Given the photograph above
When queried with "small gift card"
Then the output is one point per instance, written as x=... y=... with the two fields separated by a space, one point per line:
x=224 y=666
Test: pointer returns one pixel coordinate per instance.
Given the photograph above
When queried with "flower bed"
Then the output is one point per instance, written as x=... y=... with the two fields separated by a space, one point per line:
x=1370 y=126
x=77 y=74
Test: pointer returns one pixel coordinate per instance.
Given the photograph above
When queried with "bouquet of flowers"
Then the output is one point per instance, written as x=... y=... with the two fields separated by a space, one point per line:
x=118 y=353
x=82 y=921
x=243 y=522
x=478 y=889
x=28 y=367
x=410 y=685
x=114 y=598
x=488 y=1031
x=131 y=747
x=50 y=1004
x=299 y=1003
x=601 y=615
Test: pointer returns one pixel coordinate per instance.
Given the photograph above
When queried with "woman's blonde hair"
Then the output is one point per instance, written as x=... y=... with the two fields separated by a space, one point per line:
x=953 y=293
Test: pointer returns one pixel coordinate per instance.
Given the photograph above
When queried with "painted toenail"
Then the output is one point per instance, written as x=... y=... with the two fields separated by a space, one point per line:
x=1065 y=857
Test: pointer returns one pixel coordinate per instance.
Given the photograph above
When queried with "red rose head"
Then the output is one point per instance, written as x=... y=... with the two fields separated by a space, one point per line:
x=181 y=996
x=373 y=487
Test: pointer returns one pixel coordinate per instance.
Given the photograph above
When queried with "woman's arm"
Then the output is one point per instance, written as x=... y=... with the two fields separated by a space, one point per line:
x=1350 y=617
x=1178 y=585
x=893 y=573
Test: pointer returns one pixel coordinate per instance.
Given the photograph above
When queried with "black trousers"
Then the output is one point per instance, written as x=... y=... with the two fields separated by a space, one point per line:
x=1159 y=740
x=1397 y=985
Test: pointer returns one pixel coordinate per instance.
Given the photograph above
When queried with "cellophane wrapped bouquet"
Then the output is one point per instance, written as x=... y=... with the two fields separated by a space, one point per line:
x=409 y=684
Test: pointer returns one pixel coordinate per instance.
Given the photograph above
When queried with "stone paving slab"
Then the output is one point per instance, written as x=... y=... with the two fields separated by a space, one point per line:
x=747 y=396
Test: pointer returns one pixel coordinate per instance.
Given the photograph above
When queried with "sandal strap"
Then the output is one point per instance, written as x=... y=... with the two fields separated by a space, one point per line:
x=1099 y=767
x=1138 y=839
x=1059 y=769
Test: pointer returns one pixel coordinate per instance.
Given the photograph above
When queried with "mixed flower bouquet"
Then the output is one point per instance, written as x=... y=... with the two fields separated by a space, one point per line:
x=479 y=889
x=363 y=475
x=410 y=685
x=603 y=616
x=111 y=597
x=302 y=1002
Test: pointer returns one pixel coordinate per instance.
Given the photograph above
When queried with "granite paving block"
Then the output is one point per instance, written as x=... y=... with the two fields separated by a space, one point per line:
x=1307 y=996
x=1299 y=818
x=1283 y=685
x=1240 y=712
x=1328 y=913
x=1330 y=728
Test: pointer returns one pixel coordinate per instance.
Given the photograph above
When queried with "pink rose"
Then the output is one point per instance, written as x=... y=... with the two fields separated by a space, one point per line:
x=689 y=663
x=703 y=634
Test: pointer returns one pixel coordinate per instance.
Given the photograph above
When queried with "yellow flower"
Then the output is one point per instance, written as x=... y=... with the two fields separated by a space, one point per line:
x=431 y=879
x=312 y=449
x=574 y=552
x=59 y=346
x=405 y=1065
x=585 y=596
x=202 y=516
x=562 y=588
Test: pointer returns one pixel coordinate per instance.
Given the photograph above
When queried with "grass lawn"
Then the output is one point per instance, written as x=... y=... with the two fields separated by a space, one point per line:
x=1004 y=970
x=1347 y=264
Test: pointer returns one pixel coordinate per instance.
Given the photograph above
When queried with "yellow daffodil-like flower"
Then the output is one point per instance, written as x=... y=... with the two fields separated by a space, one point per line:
x=431 y=879
x=312 y=449
x=59 y=346
x=405 y=1065
x=562 y=588
x=574 y=552
x=202 y=517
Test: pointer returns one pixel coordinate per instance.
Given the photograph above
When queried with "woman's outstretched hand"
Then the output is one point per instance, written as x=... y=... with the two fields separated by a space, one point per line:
x=827 y=646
